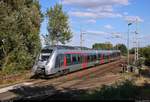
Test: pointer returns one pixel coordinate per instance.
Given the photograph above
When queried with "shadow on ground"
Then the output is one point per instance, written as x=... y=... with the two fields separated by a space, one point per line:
x=124 y=91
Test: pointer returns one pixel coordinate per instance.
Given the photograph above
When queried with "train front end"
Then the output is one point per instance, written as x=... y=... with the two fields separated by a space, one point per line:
x=42 y=65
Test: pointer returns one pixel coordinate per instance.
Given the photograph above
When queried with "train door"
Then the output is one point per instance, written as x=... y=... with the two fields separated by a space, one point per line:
x=108 y=56
x=59 y=62
x=105 y=57
x=75 y=62
x=102 y=59
x=84 y=60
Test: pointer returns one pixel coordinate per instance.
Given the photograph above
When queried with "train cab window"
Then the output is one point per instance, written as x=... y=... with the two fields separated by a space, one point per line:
x=68 y=59
x=45 y=54
x=59 y=60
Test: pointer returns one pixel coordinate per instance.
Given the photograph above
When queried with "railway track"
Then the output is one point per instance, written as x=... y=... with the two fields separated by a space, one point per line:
x=73 y=79
x=96 y=71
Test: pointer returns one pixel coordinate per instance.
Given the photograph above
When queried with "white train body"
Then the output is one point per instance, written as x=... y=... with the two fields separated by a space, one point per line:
x=53 y=60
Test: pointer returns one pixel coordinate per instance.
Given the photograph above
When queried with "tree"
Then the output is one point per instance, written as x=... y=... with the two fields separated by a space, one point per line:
x=122 y=48
x=132 y=51
x=145 y=52
x=102 y=46
x=19 y=33
x=58 y=25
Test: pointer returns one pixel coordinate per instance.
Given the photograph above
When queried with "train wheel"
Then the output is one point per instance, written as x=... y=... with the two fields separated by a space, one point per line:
x=66 y=71
x=35 y=76
x=59 y=73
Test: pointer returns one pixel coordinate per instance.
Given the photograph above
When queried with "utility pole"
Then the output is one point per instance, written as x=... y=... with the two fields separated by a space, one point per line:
x=128 y=61
x=81 y=37
x=136 y=56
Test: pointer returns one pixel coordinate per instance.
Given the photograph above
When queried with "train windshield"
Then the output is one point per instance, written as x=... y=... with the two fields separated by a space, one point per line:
x=45 y=54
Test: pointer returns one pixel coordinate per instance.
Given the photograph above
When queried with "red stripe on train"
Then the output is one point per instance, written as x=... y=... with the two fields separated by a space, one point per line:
x=84 y=63
x=65 y=62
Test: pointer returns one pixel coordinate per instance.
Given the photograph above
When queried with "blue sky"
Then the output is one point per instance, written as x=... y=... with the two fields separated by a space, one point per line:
x=103 y=20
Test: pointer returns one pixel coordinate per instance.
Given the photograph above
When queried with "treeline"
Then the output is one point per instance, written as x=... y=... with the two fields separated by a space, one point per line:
x=19 y=34
x=109 y=46
x=102 y=46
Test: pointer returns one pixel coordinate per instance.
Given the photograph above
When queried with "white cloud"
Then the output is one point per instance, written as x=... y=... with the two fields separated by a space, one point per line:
x=91 y=21
x=95 y=9
x=83 y=14
x=116 y=34
x=109 y=34
x=108 y=26
x=95 y=3
x=94 y=15
x=125 y=13
x=133 y=19
x=96 y=32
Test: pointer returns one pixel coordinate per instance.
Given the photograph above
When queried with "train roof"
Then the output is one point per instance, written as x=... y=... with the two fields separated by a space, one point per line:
x=76 y=48
x=66 y=47
x=86 y=51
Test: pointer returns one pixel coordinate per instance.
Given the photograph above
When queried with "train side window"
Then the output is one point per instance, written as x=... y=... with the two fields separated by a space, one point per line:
x=94 y=57
x=59 y=60
x=105 y=56
x=68 y=59
x=79 y=59
x=99 y=56
x=75 y=59
x=88 y=58
x=102 y=56
x=82 y=58
x=115 y=54
x=111 y=55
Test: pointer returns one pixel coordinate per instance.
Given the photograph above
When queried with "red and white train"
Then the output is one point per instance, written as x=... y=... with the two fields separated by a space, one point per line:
x=60 y=59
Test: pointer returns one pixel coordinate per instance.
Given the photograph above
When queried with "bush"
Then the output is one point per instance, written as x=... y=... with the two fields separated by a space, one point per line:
x=126 y=90
x=17 y=60
x=147 y=61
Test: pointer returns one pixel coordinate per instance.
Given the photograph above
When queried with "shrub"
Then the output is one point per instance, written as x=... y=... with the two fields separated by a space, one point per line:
x=125 y=90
